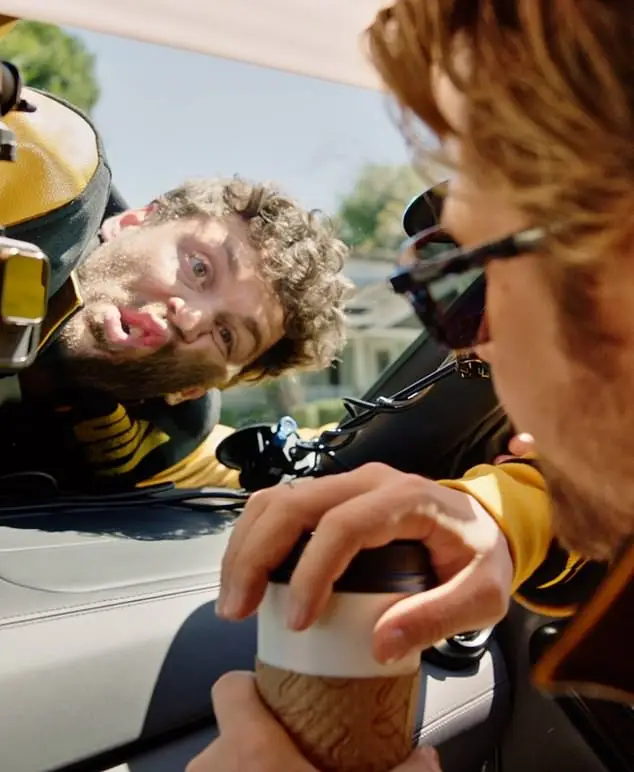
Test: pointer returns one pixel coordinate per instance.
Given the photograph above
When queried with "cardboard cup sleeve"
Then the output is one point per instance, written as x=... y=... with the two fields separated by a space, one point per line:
x=344 y=724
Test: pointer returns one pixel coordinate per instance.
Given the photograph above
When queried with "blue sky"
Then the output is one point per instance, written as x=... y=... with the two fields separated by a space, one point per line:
x=166 y=115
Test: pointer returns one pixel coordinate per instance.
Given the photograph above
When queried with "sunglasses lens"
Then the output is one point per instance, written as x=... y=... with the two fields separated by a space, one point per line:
x=429 y=245
x=452 y=306
x=459 y=313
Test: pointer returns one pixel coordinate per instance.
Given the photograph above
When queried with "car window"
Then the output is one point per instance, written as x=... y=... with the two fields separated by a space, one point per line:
x=166 y=115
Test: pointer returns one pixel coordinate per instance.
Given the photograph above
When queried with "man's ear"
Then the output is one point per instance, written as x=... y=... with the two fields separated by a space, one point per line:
x=195 y=392
x=131 y=218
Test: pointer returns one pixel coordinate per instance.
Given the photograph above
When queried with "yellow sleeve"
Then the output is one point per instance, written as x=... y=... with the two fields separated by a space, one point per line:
x=202 y=469
x=515 y=495
x=547 y=579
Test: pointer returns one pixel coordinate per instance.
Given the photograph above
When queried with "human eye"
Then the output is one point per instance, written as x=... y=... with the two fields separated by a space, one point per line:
x=198 y=265
x=226 y=336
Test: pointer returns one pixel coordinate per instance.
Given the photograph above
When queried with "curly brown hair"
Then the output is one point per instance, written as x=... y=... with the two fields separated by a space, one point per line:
x=301 y=259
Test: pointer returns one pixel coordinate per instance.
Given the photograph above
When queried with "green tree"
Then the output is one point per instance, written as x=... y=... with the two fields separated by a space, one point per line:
x=370 y=215
x=54 y=61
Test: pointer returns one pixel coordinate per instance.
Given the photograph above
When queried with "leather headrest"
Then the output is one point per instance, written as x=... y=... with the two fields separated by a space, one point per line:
x=57 y=155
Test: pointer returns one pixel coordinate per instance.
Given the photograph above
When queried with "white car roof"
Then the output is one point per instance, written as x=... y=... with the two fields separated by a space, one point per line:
x=319 y=38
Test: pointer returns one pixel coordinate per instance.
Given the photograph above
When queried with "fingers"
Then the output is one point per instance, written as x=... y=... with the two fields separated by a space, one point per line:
x=521 y=444
x=474 y=598
x=207 y=760
x=370 y=520
x=422 y=760
x=235 y=700
x=251 y=739
x=241 y=713
x=271 y=524
x=249 y=736
x=239 y=710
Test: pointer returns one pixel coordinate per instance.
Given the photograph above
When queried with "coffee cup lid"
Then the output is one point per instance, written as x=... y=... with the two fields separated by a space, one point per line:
x=400 y=566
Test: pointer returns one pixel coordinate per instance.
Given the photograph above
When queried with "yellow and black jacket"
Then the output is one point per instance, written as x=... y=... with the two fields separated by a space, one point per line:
x=57 y=195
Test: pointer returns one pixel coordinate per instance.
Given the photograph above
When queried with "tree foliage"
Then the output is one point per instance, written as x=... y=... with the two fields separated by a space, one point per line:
x=54 y=61
x=370 y=215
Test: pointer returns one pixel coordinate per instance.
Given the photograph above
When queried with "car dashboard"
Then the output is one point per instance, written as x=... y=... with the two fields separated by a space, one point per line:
x=110 y=644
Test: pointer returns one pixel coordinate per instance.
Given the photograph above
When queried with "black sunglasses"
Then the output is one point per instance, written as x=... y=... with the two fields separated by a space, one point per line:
x=453 y=316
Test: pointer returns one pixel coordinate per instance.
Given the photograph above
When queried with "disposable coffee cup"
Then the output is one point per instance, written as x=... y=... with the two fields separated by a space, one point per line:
x=345 y=711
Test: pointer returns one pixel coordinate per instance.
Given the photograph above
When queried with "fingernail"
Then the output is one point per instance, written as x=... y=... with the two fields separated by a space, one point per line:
x=295 y=614
x=394 y=646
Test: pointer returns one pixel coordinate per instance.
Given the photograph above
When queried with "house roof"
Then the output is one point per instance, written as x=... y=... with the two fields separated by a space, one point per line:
x=374 y=304
x=319 y=38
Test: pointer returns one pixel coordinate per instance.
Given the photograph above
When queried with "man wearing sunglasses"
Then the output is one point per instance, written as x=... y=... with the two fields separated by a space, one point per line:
x=533 y=103
x=473 y=557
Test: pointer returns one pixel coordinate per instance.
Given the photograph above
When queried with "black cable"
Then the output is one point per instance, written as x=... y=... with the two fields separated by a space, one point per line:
x=361 y=412
x=193 y=498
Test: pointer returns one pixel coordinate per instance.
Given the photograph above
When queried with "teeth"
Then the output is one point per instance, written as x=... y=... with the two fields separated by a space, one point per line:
x=136 y=332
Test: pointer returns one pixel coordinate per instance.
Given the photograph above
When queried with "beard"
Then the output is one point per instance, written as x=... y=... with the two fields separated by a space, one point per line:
x=158 y=374
x=582 y=521
x=107 y=276
x=164 y=371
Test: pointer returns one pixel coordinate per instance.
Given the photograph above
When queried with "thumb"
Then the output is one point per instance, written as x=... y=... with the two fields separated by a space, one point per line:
x=239 y=709
x=470 y=600
x=422 y=760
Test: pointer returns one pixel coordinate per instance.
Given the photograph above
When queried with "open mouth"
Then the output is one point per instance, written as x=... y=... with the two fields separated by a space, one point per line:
x=132 y=328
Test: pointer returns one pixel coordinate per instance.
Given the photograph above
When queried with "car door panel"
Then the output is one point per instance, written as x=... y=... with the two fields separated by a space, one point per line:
x=109 y=643
x=108 y=640
x=474 y=707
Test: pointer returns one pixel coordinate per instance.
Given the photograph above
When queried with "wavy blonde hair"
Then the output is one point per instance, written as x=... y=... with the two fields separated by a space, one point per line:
x=550 y=97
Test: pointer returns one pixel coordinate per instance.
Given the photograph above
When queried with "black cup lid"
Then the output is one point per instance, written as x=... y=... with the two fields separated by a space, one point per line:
x=400 y=566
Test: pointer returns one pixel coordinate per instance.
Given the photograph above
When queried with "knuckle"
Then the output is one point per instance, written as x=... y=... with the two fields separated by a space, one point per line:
x=414 y=488
x=375 y=470
x=430 y=631
x=345 y=523
x=261 y=498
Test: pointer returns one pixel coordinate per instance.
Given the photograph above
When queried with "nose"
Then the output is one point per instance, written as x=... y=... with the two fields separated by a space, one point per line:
x=187 y=320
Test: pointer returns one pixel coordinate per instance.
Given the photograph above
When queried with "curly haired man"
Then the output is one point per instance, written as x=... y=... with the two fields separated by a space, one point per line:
x=153 y=311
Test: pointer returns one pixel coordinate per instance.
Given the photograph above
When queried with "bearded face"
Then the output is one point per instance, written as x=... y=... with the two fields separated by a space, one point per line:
x=170 y=307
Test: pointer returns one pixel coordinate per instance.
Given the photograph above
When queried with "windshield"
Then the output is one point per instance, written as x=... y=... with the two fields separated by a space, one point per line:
x=167 y=115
